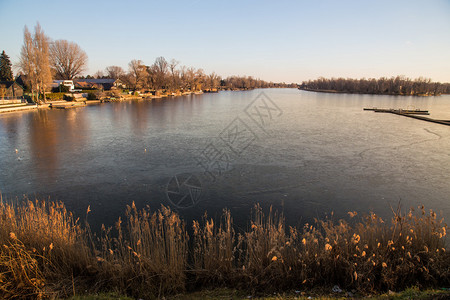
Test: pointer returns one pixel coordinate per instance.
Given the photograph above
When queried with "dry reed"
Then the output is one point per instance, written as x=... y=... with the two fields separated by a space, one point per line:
x=45 y=253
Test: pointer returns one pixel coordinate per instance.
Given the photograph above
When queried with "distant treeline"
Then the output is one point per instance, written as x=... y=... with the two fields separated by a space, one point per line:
x=171 y=76
x=399 y=85
x=248 y=82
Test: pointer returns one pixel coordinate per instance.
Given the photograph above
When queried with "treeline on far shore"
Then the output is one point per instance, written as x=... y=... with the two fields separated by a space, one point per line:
x=170 y=76
x=399 y=85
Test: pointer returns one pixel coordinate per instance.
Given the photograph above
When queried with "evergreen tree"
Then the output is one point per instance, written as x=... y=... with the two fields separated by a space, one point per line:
x=5 y=68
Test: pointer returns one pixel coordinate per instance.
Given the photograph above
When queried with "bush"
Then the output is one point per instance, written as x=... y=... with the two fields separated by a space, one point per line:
x=54 y=96
x=91 y=96
x=68 y=97
x=28 y=98
x=61 y=89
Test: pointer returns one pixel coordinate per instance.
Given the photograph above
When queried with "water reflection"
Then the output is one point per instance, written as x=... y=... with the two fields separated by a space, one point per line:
x=10 y=130
x=53 y=138
x=44 y=142
x=138 y=117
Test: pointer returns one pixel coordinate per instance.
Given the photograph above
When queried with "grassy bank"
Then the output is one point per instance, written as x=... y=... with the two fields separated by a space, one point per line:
x=45 y=252
x=223 y=293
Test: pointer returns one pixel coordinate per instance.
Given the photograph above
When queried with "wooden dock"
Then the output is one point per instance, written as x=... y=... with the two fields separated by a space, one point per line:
x=415 y=114
x=400 y=111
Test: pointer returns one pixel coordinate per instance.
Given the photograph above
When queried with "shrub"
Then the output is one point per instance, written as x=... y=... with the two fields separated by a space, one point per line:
x=54 y=96
x=28 y=98
x=61 y=89
x=91 y=96
x=68 y=97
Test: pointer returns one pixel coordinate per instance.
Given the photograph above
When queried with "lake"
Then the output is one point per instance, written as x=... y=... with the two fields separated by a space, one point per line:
x=306 y=154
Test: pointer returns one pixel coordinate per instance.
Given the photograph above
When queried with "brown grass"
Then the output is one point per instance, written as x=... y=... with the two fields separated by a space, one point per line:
x=45 y=253
x=43 y=249
x=149 y=258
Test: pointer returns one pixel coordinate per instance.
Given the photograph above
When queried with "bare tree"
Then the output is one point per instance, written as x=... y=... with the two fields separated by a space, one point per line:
x=114 y=72
x=199 y=79
x=161 y=64
x=189 y=76
x=160 y=68
x=44 y=76
x=27 y=60
x=34 y=60
x=183 y=78
x=137 y=73
x=172 y=67
x=68 y=59
x=213 y=81
x=99 y=74
x=150 y=77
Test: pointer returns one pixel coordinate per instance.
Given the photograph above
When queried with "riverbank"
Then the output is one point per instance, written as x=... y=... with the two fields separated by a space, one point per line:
x=411 y=293
x=83 y=101
x=45 y=252
x=398 y=86
x=361 y=93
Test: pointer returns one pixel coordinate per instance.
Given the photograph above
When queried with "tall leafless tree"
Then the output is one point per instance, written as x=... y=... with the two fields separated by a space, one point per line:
x=213 y=81
x=34 y=60
x=137 y=73
x=99 y=74
x=160 y=68
x=114 y=72
x=190 y=78
x=68 y=60
x=172 y=67
x=27 y=60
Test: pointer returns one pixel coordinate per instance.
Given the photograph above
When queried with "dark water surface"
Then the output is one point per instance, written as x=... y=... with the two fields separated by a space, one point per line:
x=305 y=153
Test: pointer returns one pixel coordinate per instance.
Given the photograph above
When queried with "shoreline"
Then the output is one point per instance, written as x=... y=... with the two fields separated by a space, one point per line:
x=8 y=109
x=64 y=104
x=357 y=93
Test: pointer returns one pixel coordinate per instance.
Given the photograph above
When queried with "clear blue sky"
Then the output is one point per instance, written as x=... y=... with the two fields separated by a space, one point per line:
x=287 y=41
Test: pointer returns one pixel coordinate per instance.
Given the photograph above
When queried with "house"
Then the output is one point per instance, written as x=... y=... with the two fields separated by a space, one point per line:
x=66 y=83
x=24 y=82
x=103 y=83
x=10 y=90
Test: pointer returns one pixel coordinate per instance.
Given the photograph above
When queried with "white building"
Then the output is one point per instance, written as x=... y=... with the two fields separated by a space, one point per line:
x=67 y=83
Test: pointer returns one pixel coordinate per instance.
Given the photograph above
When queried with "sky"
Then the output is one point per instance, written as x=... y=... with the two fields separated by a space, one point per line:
x=280 y=41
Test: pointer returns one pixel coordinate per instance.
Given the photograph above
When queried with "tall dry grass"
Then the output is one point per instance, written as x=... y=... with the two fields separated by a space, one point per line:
x=148 y=256
x=370 y=255
x=45 y=245
x=214 y=252
x=45 y=253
